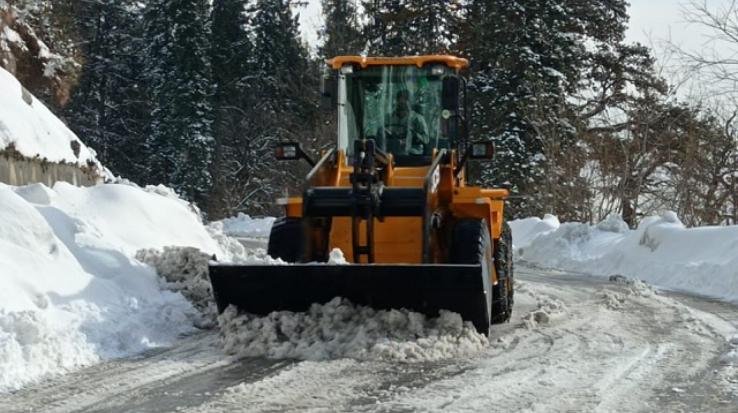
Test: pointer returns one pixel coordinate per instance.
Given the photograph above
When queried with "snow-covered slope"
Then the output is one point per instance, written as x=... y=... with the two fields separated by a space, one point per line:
x=33 y=130
x=660 y=251
x=71 y=292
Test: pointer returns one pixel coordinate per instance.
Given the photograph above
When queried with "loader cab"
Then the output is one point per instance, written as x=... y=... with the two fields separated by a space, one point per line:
x=409 y=106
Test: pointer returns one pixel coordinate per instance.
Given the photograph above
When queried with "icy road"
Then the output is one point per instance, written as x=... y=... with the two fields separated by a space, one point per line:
x=574 y=344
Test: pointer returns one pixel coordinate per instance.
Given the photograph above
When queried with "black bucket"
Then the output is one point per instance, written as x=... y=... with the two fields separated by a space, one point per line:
x=262 y=289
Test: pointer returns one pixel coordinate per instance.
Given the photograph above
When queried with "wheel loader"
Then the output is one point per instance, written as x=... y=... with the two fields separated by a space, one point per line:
x=392 y=196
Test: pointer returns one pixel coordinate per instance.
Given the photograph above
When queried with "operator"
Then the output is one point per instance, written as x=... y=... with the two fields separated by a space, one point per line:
x=406 y=130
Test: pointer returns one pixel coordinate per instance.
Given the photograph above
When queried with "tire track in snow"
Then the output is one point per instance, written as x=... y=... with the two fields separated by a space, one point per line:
x=120 y=383
x=600 y=347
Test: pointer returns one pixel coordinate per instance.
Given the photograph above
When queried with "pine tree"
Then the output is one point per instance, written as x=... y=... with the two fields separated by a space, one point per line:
x=384 y=31
x=407 y=27
x=521 y=56
x=180 y=145
x=433 y=26
x=280 y=57
x=528 y=61
x=108 y=108
x=284 y=92
x=341 y=34
x=231 y=59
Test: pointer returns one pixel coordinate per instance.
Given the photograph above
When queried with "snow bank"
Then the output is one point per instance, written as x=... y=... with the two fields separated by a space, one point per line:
x=71 y=292
x=661 y=251
x=340 y=329
x=244 y=226
x=527 y=229
x=33 y=130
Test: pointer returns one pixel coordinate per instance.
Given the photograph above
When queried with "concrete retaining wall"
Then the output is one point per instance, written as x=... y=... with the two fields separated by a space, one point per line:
x=23 y=171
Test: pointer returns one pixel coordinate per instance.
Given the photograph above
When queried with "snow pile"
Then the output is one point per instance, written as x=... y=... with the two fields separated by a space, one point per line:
x=614 y=300
x=184 y=270
x=527 y=229
x=661 y=251
x=231 y=248
x=340 y=329
x=546 y=308
x=336 y=257
x=244 y=226
x=27 y=125
x=71 y=291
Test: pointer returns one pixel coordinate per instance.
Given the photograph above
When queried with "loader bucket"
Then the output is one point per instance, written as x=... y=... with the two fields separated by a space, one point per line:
x=262 y=289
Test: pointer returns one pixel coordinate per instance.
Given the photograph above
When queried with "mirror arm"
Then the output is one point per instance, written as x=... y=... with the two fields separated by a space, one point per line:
x=299 y=153
x=319 y=165
x=462 y=164
x=306 y=157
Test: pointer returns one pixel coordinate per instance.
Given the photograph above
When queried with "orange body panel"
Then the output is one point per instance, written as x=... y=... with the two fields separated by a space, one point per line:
x=419 y=61
x=396 y=240
x=292 y=206
x=399 y=239
x=475 y=202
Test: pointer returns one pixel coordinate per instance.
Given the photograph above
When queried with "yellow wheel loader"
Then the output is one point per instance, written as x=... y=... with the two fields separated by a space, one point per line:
x=392 y=195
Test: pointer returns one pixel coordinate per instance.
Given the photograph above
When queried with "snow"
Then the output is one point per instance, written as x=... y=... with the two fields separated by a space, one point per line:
x=527 y=229
x=244 y=226
x=185 y=270
x=661 y=251
x=583 y=355
x=130 y=218
x=336 y=257
x=12 y=36
x=71 y=291
x=340 y=329
x=33 y=130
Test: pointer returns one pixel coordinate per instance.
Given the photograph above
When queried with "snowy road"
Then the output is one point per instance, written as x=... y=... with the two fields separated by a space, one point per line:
x=574 y=344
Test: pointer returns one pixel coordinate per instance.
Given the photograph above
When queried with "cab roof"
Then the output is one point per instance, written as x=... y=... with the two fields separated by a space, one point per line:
x=364 y=61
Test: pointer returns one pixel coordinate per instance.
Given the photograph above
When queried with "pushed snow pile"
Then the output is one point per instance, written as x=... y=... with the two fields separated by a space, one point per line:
x=339 y=329
x=336 y=257
x=616 y=301
x=244 y=226
x=185 y=270
x=71 y=291
x=546 y=308
x=661 y=251
x=27 y=125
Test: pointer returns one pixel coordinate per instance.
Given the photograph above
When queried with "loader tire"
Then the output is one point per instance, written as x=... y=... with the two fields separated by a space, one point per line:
x=472 y=244
x=287 y=240
x=502 y=293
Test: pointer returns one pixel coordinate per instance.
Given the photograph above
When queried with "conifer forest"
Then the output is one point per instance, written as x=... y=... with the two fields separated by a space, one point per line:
x=195 y=94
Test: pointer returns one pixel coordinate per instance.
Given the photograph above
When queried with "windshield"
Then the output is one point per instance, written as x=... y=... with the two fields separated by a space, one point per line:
x=397 y=106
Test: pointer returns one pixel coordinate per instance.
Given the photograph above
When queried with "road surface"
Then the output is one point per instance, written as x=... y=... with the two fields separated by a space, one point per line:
x=575 y=343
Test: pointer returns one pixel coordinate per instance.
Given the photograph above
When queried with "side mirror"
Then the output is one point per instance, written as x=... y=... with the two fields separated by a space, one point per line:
x=288 y=151
x=291 y=151
x=482 y=150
